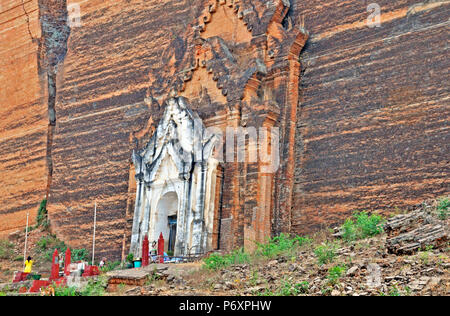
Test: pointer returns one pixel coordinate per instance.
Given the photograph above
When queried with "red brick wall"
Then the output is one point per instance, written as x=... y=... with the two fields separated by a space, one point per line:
x=372 y=132
x=23 y=116
x=102 y=92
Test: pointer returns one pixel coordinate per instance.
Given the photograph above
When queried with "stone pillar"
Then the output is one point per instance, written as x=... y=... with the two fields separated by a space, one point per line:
x=257 y=184
x=182 y=220
x=215 y=244
x=199 y=220
x=137 y=214
x=146 y=218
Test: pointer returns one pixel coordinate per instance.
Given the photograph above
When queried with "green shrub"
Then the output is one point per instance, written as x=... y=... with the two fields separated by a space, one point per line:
x=130 y=258
x=42 y=216
x=302 y=287
x=362 y=225
x=66 y=291
x=110 y=266
x=281 y=245
x=335 y=273
x=349 y=230
x=44 y=243
x=217 y=261
x=394 y=291
x=266 y=292
x=326 y=252
x=94 y=287
x=79 y=254
x=50 y=242
x=442 y=208
x=47 y=245
x=289 y=289
x=369 y=225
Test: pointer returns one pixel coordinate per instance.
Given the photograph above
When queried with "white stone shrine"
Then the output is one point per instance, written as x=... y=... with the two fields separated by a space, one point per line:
x=176 y=184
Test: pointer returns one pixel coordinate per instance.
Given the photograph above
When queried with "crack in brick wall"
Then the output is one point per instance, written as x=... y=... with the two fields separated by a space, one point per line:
x=53 y=48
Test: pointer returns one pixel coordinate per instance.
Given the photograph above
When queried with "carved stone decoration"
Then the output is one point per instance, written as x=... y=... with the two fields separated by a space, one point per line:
x=239 y=67
x=174 y=173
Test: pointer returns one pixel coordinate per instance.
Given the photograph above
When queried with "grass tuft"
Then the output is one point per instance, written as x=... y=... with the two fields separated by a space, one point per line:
x=326 y=252
x=282 y=245
x=362 y=225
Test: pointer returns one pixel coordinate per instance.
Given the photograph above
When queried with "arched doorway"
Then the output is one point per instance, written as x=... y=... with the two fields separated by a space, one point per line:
x=177 y=193
x=166 y=219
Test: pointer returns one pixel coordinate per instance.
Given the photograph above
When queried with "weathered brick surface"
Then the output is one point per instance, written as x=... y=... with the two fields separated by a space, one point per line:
x=116 y=75
x=23 y=116
x=373 y=127
x=370 y=131
x=102 y=93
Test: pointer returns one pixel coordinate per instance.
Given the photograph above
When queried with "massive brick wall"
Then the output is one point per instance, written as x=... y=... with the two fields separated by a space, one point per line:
x=373 y=121
x=23 y=116
x=102 y=98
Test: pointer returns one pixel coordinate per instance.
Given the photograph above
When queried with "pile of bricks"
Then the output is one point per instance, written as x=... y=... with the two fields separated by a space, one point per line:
x=409 y=233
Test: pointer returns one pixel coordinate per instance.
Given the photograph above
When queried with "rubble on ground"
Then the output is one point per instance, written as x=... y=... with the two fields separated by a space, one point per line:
x=370 y=270
x=410 y=258
x=409 y=233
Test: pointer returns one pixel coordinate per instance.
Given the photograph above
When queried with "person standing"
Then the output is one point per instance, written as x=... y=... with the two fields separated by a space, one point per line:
x=28 y=265
x=103 y=262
